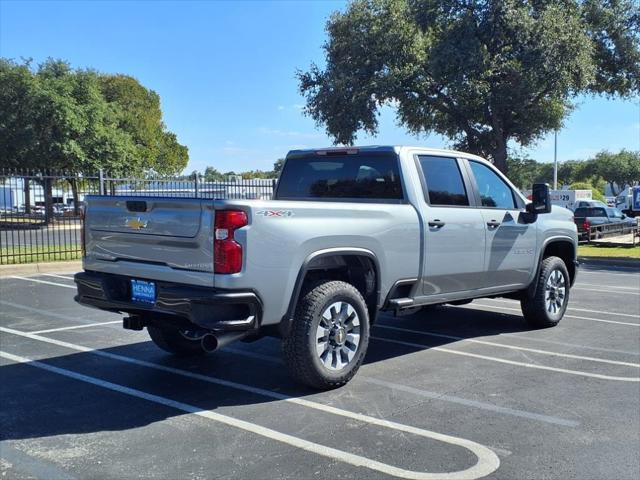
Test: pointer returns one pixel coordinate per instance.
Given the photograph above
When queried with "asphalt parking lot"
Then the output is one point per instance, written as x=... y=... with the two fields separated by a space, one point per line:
x=452 y=393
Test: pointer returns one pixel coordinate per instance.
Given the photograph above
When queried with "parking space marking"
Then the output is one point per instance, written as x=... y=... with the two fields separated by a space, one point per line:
x=618 y=287
x=487 y=462
x=511 y=362
x=601 y=290
x=616 y=322
x=74 y=327
x=567 y=344
x=515 y=302
x=472 y=403
x=29 y=279
x=434 y=395
x=510 y=347
x=55 y=275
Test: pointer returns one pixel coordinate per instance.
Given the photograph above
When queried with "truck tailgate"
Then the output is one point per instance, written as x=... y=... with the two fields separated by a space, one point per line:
x=175 y=232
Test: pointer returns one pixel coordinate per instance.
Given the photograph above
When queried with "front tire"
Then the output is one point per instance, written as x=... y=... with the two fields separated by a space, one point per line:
x=546 y=308
x=175 y=342
x=329 y=336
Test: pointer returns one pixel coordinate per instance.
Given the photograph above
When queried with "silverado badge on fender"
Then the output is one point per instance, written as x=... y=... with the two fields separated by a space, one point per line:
x=136 y=223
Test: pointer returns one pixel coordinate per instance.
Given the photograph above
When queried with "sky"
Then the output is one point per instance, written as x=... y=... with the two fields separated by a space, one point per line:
x=225 y=73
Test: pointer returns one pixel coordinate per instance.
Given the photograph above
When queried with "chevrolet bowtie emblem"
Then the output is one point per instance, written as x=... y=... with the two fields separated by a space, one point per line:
x=136 y=223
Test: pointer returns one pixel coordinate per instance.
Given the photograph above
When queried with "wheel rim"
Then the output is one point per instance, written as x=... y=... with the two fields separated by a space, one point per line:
x=338 y=335
x=555 y=292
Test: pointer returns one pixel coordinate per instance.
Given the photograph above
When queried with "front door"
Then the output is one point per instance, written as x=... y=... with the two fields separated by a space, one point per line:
x=454 y=234
x=510 y=242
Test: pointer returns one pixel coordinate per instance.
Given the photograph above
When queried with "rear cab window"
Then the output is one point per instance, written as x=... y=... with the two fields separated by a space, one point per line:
x=360 y=177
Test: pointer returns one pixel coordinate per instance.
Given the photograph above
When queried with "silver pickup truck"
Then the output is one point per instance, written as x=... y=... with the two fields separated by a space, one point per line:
x=350 y=232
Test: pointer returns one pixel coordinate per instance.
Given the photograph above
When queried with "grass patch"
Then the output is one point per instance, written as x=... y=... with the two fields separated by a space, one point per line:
x=30 y=254
x=609 y=252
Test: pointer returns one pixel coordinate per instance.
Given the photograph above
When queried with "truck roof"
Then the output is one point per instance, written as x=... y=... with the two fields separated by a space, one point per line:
x=383 y=148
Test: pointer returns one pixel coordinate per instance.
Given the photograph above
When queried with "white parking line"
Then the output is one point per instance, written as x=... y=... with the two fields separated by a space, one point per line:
x=492 y=307
x=515 y=302
x=29 y=279
x=434 y=395
x=510 y=362
x=487 y=463
x=510 y=347
x=438 y=396
x=618 y=287
x=58 y=276
x=602 y=290
x=86 y=325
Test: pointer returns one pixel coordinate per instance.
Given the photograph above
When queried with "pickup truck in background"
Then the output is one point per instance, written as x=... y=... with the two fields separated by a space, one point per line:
x=588 y=217
x=350 y=232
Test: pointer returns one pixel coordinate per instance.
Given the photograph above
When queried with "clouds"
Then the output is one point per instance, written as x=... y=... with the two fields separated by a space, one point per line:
x=274 y=132
x=296 y=107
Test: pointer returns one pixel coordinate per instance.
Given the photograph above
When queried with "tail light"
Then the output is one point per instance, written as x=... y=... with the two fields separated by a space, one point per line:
x=586 y=225
x=227 y=253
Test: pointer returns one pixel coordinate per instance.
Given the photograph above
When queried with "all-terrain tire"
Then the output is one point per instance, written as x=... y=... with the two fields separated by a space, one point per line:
x=300 y=347
x=553 y=278
x=172 y=341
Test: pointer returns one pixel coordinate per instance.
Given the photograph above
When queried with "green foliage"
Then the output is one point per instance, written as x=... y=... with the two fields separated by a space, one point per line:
x=481 y=73
x=617 y=169
x=595 y=192
x=277 y=167
x=54 y=117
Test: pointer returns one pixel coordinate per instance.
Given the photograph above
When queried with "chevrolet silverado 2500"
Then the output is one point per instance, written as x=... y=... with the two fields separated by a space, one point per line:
x=350 y=232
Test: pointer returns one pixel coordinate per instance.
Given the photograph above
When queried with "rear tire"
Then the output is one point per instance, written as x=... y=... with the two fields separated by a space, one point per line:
x=546 y=308
x=174 y=342
x=329 y=336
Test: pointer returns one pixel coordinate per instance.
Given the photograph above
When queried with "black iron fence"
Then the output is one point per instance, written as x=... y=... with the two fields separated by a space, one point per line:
x=40 y=211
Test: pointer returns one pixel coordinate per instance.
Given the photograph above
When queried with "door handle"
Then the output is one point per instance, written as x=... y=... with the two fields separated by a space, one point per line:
x=493 y=224
x=436 y=223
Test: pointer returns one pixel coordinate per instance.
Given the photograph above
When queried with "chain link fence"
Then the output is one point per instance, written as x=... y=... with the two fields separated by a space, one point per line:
x=40 y=212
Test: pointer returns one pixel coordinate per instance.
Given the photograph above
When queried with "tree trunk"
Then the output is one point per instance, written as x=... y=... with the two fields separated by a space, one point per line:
x=27 y=195
x=500 y=156
x=74 y=190
x=48 y=200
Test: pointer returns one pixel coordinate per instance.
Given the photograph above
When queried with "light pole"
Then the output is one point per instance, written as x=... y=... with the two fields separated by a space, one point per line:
x=555 y=160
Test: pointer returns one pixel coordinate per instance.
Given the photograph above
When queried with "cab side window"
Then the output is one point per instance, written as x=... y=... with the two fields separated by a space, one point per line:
x=445 y=186
x=494 y=192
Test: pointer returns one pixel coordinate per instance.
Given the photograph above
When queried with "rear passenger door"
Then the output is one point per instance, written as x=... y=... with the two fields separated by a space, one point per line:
x=454 y=234
x=510 y=242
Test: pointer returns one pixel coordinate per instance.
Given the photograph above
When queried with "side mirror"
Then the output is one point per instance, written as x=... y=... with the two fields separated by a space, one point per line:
x=540 y=199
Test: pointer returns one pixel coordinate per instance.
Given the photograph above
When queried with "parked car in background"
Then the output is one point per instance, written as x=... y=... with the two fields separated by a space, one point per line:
x=589 y=203
x=587 y=217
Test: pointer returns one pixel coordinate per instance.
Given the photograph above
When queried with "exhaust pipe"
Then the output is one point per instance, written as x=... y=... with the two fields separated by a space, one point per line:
x=211 y=342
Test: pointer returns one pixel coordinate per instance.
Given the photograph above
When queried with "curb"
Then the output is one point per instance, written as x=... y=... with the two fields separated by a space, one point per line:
x=609 y=262
x=44 y=267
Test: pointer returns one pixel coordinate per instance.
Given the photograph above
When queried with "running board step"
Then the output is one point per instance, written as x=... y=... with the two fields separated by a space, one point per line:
x=398 y=303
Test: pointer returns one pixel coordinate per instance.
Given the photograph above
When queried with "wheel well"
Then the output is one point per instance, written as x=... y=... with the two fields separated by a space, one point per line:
x=358 y=269
x=564 y=250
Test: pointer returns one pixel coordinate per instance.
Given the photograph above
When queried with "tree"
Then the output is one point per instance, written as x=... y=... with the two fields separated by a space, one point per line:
x=483 y=73
x=596 y=193
x=54 y=117
x=139 y=114
x=614 y=168
x=212 y=175
x=277 y=167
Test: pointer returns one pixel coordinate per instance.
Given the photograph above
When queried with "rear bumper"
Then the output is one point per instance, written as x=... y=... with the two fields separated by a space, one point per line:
x=209 y=308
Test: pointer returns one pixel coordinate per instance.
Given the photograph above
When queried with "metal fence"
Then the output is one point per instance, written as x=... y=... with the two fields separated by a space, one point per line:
x=614 y=233
x=40 y=211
